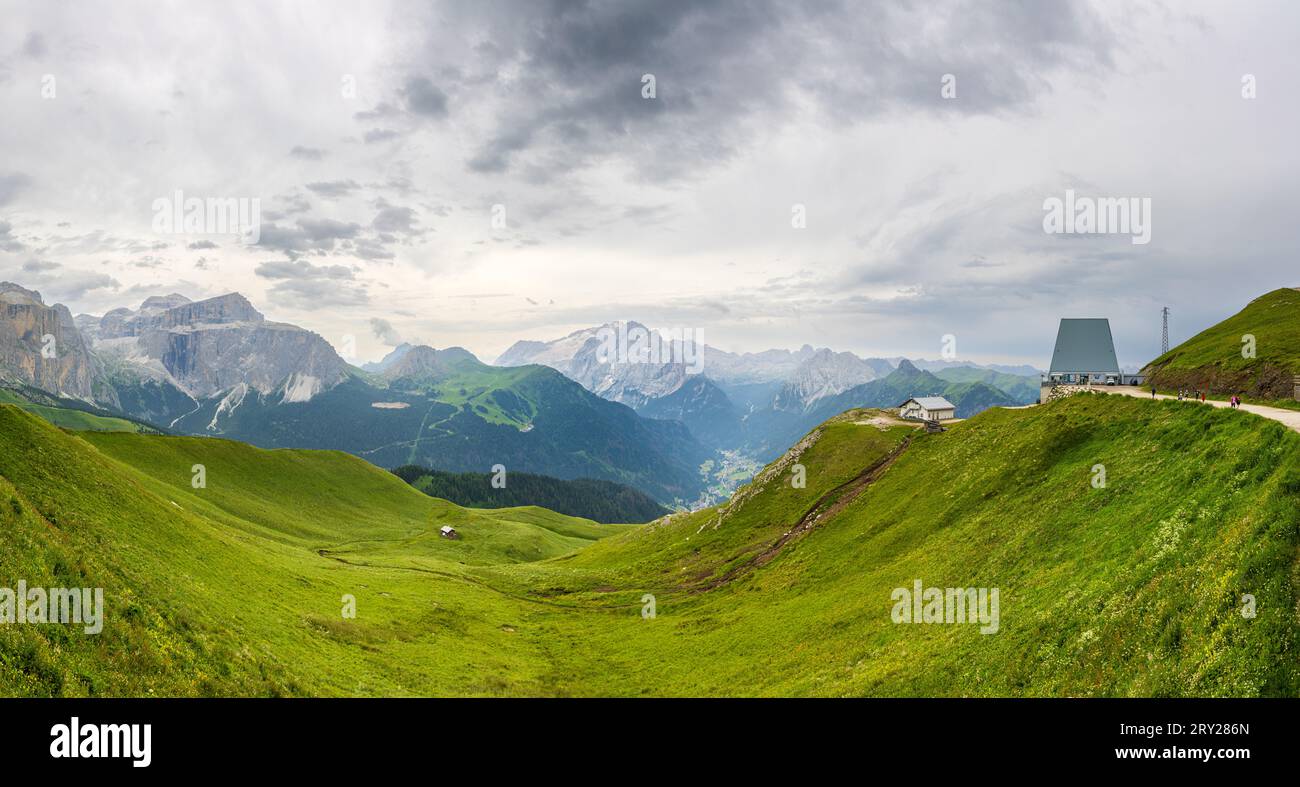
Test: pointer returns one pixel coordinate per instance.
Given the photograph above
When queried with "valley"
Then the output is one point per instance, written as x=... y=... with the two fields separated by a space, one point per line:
x=299 y=569
x=238 y=588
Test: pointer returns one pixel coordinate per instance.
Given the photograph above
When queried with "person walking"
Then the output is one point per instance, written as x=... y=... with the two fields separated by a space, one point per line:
x=1153 y=392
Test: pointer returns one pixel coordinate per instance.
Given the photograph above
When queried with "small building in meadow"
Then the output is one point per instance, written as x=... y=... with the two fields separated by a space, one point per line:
x=928 y=408
x=448 y=531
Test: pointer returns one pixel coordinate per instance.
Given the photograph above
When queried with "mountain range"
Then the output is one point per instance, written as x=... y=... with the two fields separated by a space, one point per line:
x=760 y=403
x=218 y=367
x=684 y=425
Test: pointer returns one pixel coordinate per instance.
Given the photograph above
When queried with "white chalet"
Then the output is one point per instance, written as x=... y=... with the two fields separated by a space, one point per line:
x=927 y=408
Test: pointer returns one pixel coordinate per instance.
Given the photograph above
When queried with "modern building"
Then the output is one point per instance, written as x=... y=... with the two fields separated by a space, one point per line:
x=928 y=408
x=1085 y=354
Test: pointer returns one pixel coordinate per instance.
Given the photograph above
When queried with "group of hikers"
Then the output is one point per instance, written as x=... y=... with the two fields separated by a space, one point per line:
x=1234 y=401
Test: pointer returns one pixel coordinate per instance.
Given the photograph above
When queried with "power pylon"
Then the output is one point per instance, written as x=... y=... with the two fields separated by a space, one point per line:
x=1164 y=331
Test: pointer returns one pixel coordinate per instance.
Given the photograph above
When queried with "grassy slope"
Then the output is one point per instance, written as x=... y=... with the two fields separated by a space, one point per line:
x=1212 y=359
x=66 y=418
x=1131 y=589
x=223 y=591
x=601 y=501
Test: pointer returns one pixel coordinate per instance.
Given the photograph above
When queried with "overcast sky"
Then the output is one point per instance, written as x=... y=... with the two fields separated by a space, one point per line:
x=377 y=138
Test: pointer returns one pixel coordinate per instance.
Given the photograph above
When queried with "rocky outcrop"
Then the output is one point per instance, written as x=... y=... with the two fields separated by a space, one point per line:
x=40 y=346
x=125 y=322
x=1265 y=381
x=209 y=347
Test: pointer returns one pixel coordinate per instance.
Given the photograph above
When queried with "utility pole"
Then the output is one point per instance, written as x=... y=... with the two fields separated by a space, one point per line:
x=1164 y=332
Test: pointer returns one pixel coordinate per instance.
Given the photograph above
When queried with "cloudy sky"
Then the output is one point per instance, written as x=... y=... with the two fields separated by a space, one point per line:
x=382 y=139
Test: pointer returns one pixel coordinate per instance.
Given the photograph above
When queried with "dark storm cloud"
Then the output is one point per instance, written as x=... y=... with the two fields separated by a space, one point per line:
x=575 y=92
x=424 y=98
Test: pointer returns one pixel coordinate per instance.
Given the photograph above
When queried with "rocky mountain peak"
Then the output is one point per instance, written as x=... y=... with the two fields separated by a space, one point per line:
x=13 y=293
x=425 y=361
x=393 y=356
x=163 y=302
x=41 y=346
x=229 y=308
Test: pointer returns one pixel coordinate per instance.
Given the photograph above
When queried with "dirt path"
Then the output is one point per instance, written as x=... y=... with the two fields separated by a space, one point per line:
x=828 y=505
x=1288 y=418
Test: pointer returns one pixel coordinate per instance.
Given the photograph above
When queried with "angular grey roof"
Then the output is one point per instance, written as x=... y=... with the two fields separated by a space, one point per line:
x=1084 y=345
x=932 y=402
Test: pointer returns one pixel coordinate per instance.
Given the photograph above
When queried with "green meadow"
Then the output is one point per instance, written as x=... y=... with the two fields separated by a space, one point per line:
x=1134 y=587
x=71 y=419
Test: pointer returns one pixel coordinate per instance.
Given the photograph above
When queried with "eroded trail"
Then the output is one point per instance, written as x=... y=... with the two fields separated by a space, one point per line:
x=1288 y=418
x=827 y=506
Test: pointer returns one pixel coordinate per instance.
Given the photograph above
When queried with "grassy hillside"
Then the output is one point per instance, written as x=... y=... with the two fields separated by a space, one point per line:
x=1022 y=389
x=1131 y=589
x=237 y=588
x=589 y=498
x=1212 y=360
x=67 y=418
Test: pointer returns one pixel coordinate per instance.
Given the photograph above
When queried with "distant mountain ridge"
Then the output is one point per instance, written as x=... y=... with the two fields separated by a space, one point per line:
x=218 y=367
x=758 y=402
